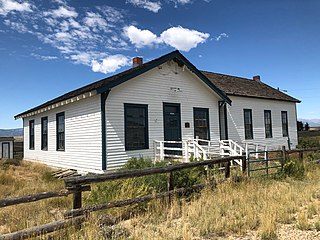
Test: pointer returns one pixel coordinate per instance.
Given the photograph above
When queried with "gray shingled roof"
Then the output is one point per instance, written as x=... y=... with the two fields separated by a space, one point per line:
x=237 y=86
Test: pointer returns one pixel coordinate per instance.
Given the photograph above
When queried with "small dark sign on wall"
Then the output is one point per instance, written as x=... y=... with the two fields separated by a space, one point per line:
x=187 y=125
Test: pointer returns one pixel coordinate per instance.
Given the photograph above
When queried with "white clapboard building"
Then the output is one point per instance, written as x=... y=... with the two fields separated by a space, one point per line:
x=165 y=107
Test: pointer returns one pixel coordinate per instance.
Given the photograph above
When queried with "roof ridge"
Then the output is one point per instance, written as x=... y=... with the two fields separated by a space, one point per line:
x=227 y=75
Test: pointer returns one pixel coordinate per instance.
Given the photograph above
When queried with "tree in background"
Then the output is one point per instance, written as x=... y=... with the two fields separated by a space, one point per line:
x=299 y=125
x=306 y=126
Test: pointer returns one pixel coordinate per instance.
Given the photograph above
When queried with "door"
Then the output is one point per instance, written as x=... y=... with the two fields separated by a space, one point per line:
x=5 y=150
x=223 y=121
x=172 y=126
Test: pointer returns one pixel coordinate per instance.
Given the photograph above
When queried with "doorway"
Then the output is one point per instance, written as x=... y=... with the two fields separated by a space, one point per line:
x=172 y=127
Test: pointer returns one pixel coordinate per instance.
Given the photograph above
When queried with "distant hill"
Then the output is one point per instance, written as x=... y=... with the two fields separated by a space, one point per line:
x=312 y=122
x=11 y=132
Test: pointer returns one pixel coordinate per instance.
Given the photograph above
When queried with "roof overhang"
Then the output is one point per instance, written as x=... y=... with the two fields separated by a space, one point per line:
x=45 y=108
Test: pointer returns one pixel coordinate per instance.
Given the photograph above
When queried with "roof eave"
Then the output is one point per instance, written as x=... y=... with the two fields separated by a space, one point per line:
x=268 y=98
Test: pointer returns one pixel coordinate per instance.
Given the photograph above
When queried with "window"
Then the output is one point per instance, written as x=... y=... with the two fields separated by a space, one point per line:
x=268 y=123
x=44 y=133
x=284 y=120
x=31 y=134
x=201 y=123
x=60 y=132
x=248 y=127
x=136 y=126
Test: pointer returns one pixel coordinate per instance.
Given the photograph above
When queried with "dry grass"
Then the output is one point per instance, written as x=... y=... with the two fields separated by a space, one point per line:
x=26 y=179
x=255 y=207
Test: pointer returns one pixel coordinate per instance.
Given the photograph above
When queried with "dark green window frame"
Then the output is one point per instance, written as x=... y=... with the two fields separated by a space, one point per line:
x=60 y=131
x=248 y=124
x=284 y=121
x=268 y=123
x=136 y=126
x=31 y=134
x=201 y=123
x=44 y=133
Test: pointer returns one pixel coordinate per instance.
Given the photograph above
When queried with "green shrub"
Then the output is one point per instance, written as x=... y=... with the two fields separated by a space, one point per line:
x=134 y=187
x=317 y=226
x=308 y=142
x=294 y=168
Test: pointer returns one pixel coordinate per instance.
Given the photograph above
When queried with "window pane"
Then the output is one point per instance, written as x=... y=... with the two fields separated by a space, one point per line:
x=248 y=128
x=44 y=133
x=136 y=127
x=60 y=131
x=268 y=123
x=201 y=123
x=284 y=118
x=31 y=134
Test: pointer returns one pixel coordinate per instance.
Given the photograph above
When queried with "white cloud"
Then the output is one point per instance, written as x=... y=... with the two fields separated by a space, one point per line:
x=43 y=57
x=151 y=6
x=62 y=12
x=110 y=64
x=7 y=6
x=178 y=37
x=222 y=35
x=95 y=21
x=181 y=1
x=19 y=27
x=183 y=38
x=140 y=38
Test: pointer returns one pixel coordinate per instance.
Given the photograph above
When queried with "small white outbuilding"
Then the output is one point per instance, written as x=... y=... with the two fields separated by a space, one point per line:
x=6 y=147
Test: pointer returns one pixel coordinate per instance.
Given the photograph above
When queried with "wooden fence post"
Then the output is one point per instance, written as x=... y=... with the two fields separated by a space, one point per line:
x=267 y=163
x=170 y=185
x=244 y=164
x=284 y=153
x=284 y=157
x=77 y=197
x=301 y=155
x=227 y=169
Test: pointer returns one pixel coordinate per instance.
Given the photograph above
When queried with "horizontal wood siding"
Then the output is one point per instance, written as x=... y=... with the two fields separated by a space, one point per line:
x=153 y=88
x=82 y=137
x=236 y=121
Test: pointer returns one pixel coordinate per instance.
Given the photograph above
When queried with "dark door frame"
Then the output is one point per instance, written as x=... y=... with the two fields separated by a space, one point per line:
x=164 y=118
x=8 y=149
x=223 y=107
x=173 y=145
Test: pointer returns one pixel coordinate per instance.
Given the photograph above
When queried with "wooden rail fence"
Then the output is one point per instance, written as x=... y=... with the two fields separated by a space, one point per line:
x=77 y=185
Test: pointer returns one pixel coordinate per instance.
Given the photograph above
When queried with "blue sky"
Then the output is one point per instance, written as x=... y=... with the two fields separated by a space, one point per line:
x=50 y=47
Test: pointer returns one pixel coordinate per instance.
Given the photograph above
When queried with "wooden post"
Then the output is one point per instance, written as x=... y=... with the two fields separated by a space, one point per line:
x=186 y=151
x=161 y=150
x=301 y=155
x=267 y=164
x=244 y=164
x=77 y=197
x=227 y=169
x=170 y=185
x=284 y=156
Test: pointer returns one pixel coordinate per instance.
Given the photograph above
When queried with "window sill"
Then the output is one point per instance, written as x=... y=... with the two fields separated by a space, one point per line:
x=135 y=149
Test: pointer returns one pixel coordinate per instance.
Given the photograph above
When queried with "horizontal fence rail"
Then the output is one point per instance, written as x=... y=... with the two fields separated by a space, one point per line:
x=83 y=180
x=145 y=198
x=77 y=185
x=43 y=229
x=39 y=196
